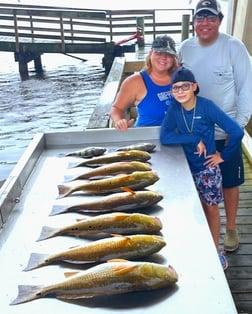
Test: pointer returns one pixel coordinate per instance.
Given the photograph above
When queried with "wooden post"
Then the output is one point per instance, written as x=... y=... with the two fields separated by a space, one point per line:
x=38 y=64
x=23 y=70
x=185 y=26
x=140 y=26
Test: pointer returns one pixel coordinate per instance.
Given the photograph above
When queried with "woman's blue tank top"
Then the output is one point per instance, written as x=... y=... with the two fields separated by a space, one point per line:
x=151 y=110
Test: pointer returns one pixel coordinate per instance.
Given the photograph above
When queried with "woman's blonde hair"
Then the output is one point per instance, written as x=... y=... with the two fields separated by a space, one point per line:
x=166 y=44
x=148 y=64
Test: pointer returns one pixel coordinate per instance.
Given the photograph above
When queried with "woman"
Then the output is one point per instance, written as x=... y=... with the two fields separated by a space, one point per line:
x=148 y=90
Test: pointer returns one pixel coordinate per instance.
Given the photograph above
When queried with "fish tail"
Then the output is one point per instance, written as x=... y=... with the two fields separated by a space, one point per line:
x=27 y=293
x=47 y=232
x=68 y=178
x=58 y=209
x=63 y=190
x=36 y=260
x=74 y=164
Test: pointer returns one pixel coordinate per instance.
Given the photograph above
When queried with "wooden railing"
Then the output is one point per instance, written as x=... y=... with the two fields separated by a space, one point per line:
x=30 y=31
x=122 y=23
x=43 y=24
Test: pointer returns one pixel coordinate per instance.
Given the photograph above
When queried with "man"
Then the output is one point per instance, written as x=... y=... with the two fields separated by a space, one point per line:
x=222 y=67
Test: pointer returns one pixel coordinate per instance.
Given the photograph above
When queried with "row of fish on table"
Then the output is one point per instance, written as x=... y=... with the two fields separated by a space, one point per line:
x=118 y=180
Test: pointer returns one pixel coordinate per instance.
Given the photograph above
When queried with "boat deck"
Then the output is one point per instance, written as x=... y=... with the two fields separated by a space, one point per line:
x=239 y=273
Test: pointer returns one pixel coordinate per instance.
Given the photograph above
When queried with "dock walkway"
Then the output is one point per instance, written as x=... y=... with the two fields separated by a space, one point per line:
x=239 y=273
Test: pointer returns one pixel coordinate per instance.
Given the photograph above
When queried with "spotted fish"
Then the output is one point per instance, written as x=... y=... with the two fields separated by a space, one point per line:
x=111 y=278
x=88 y=152
x=119 y=223
x=128 y=247
x=135 y=181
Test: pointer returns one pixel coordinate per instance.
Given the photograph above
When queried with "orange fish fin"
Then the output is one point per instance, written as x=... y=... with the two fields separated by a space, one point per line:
x=120 y=216
x=70 y=273
x=126 y=189
x=123 y=269
x=117 y=260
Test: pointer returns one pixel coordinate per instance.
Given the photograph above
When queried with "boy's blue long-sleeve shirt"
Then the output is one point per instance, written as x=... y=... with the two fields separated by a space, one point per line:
x=207 y=115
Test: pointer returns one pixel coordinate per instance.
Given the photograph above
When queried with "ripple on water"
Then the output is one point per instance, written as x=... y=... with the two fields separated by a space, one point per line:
x=63 y=99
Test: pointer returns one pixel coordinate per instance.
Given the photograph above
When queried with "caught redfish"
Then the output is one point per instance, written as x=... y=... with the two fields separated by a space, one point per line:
x=117 y=223
x=128 y=247
x=88 y=152
x=114 y=168
x=113 y=277
x=135 y=181
x=121 y=201
x=131 y=155
x=146 y=147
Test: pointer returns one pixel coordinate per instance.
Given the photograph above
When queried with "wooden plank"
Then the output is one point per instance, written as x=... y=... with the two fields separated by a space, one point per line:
x=239 y=273
x=74 y=13
x=55 y=47
x=101 y=113
x=247 y=146
x=133 y=66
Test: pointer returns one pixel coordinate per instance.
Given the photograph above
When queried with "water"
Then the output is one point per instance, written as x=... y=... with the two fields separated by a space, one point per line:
x=64 y=98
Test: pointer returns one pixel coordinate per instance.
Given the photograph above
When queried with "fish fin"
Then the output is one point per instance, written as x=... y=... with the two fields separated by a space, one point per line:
x=76 y=296
x=47 y=232
x=36 y=260
x=27 y=293
x=116 y=235
x=116 y=260
x=68 y=178
x=126 y=189
x=64 y=190
x=58 y=209
x=120 y=216
x=74 y=164
x=73 y=247
x=70 y=154
x=123 y=269
x=70 y=273
x=80 y=219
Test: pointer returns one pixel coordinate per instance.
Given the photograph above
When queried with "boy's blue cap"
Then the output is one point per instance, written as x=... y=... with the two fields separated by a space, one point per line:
x=184 y=74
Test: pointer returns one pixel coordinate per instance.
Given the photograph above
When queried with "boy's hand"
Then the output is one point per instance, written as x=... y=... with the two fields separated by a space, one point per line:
x=213 y=160
x=201 y=149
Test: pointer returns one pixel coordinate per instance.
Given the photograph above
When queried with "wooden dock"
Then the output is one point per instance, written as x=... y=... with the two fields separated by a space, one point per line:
x=30 y=31
x=239 y=273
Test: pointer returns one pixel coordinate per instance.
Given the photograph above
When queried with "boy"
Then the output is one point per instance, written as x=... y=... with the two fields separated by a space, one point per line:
x=190 y=121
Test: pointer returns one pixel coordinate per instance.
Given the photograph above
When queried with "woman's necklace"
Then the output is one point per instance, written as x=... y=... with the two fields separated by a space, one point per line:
x=193 y=118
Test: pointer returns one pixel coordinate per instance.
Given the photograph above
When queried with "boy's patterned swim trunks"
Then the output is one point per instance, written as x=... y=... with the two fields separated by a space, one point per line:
x=209 y=185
